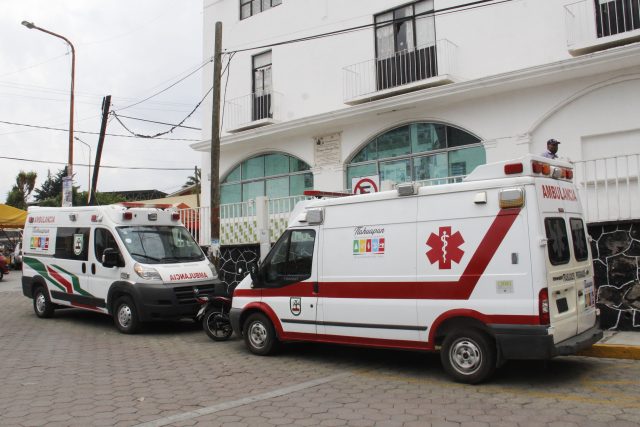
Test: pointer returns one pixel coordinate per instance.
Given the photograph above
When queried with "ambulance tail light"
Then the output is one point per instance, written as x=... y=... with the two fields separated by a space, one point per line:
x=513 y=168
x=127 y=216
x=569 y=174
x=175 y=216
x=511 y=198
x=536 y=167
x=543 y=307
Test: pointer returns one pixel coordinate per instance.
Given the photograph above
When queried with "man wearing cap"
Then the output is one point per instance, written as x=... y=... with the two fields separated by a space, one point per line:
x=552 y=149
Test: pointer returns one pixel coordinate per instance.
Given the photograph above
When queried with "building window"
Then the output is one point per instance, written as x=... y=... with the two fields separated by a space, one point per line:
x=405 y=45
x=616 y=16
x=262 y=87
x=273 y=175
x=432 y=152
x=252 y=7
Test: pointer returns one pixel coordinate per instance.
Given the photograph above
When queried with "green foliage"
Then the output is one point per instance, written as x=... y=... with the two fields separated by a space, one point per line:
x=50 y=189
x=194 y=180
x=25 y=182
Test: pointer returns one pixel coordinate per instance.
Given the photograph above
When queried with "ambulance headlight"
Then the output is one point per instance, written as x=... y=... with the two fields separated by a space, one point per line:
x=147 y=273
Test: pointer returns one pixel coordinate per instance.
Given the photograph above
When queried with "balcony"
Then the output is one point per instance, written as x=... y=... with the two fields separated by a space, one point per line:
x=406 y=71
x=612 y=23
x=252 y=111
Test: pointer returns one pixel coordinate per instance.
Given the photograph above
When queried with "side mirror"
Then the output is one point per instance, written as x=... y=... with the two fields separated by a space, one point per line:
x=254 y=271
x=111 y=258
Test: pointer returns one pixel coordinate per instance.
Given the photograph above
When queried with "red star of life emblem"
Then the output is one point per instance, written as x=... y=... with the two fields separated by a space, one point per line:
x=445 y=247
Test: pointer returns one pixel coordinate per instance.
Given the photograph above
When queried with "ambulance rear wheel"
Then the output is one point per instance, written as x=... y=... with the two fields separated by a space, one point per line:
x=125 y=315
x=259 y=335
x=42 y=305
x=468 y=356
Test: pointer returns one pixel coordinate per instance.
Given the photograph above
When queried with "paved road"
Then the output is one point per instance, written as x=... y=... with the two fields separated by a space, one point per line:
x=76 y=369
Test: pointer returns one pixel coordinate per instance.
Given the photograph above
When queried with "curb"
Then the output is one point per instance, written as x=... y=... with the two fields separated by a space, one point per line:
x=612 y=351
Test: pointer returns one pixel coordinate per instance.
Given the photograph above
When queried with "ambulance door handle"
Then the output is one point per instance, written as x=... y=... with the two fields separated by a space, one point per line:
x=315 y=287
x=84 y=268
x=93 y=268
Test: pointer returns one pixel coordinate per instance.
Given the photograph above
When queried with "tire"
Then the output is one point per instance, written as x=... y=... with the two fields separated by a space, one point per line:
x=468 y=356
x=125 y=315
x=259 y=335
x=217 y=325
x=1 y=275
x=42 y=305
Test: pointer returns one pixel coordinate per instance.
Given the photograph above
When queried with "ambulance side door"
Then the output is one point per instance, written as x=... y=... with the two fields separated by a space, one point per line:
x=100 y=277
x=289 y=280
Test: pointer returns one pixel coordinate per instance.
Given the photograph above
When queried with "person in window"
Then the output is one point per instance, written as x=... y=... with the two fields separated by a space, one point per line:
x=552 y=149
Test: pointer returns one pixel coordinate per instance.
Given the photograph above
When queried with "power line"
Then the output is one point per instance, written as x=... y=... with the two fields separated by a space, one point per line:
x=93 y=133
x=168 y=87
x=160 y=123
x=101 y=166
x=114 y=114
x=445 y=11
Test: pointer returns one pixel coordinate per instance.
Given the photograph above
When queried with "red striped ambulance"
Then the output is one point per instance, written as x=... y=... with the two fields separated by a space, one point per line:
x=492 y=268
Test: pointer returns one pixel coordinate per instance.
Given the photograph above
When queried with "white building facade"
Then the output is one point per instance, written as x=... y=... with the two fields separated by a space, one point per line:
x=425 y=91
x=416 y=91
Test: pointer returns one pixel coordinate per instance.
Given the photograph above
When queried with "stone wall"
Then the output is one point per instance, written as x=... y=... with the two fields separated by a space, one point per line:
x=616 y=254
x=233 y=263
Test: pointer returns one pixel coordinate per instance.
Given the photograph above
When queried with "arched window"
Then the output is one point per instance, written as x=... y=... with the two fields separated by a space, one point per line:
x=273 y=175
x=418 y=152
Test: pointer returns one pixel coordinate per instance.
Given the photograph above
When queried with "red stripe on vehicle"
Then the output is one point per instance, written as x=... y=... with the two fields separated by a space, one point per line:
x=358 y=341
x=88 y=307
x=450 y=290
x=64 y=282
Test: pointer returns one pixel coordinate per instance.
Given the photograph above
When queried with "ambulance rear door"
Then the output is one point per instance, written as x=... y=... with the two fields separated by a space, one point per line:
x=559 y=209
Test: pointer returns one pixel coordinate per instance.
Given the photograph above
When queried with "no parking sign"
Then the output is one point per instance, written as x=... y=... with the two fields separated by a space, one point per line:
x=365 y=184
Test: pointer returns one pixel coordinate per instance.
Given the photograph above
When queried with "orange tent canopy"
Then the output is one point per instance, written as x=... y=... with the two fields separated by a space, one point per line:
x=11 y=217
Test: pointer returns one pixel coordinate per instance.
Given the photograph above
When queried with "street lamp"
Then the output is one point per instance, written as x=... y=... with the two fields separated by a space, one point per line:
x=89 y=180
x=31 y=26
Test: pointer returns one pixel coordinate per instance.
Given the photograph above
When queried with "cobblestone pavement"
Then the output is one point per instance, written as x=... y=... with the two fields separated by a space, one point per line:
x=76 y=369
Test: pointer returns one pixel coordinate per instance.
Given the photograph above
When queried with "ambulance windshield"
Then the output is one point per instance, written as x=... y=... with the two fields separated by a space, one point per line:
x=160 y=244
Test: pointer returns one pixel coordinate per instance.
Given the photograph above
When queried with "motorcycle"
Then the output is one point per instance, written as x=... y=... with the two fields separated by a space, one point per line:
x=214 y=314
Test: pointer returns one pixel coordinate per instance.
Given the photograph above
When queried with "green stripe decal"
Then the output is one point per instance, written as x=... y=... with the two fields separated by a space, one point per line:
x=74 y=281
x=42 y=270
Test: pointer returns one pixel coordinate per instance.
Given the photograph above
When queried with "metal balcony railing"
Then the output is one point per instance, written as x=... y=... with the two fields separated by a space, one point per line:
x=416 y=67
x=610 y=20
x=253 y=110
x=609 y=187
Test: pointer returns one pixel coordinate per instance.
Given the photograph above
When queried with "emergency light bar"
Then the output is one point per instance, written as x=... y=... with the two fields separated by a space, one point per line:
x=540 y=168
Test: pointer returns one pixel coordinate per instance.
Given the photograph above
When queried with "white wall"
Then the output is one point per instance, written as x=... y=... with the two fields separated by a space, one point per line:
x=491 y=40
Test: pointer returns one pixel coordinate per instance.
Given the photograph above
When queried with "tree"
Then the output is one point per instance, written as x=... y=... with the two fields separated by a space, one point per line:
x=194 y=180
x=50 y=189
x=20 y=192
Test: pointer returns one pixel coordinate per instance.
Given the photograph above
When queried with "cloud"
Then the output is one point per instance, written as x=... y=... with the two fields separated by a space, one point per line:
x=129 y=50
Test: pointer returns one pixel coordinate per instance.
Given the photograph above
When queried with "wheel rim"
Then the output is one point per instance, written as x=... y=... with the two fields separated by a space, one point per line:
x=258 y=335
x=217 y=324
x=41 y=303
x=124 y=316
x=465 y=356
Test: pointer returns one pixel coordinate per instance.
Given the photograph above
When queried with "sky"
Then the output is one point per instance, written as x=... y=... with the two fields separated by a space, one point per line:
x=127 y=49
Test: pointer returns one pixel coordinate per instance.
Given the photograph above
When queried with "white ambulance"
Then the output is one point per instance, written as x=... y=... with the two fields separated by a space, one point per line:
x=493 y=268
x=137 y=264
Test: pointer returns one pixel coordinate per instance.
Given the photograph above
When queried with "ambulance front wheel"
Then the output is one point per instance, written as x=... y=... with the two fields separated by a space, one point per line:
x=259 y=335
x=42 y=305
x=468 y=356
x=125 y=315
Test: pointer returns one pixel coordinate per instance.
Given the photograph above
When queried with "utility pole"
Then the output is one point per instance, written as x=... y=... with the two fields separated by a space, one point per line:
x=214 y=194
x=106 y=105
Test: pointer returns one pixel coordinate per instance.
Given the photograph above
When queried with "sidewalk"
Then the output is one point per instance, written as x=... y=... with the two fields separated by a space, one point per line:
x=616 y=345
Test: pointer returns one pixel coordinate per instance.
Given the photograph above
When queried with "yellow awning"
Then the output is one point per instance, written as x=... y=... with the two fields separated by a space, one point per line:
x=11 y=217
